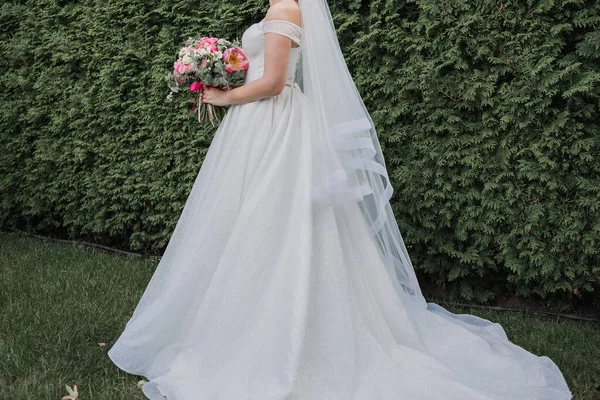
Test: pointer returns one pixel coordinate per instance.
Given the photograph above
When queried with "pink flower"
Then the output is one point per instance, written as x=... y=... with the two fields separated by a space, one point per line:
x=178 y=68
x=210 y=43
x=235 y=60
x=203 y=64
x=181 y=68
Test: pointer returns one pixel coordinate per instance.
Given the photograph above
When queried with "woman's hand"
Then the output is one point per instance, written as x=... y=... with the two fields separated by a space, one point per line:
x=214 y=96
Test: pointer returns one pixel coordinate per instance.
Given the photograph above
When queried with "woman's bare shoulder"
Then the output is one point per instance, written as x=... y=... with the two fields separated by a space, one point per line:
x=285 y=10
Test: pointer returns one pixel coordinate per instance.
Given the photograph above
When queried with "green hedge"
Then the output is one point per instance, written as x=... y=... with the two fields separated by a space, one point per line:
x=487 y=113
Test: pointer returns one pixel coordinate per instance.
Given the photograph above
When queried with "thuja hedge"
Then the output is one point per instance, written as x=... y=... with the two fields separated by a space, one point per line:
x=487 y=113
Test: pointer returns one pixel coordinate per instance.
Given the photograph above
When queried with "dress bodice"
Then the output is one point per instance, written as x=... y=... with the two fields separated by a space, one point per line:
x=253 y=45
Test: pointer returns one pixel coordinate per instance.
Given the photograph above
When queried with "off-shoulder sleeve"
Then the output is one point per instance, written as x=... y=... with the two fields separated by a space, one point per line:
x=284 y=28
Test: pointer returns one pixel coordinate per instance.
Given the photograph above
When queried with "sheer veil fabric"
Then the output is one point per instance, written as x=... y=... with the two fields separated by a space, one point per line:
x=286 y=277
x=359 y=172
x=356 y=169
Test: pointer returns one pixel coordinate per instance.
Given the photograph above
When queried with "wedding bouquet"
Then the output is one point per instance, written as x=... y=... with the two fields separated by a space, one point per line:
x=208 y=61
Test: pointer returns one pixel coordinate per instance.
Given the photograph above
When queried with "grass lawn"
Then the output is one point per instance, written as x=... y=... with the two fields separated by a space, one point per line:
x=59 y=301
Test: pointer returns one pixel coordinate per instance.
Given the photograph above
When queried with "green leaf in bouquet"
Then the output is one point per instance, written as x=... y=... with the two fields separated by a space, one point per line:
x=221 y=81
x=172 y=82
x=237 y=76
x=220 y=70
x=203 y=75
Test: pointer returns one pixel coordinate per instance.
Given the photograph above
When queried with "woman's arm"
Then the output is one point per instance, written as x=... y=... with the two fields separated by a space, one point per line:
x=277 y=52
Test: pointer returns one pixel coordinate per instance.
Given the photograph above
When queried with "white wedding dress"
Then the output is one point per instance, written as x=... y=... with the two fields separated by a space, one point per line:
x=262 y=294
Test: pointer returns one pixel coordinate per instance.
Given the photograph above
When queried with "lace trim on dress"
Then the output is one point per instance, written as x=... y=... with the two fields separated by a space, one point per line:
x=283 y=27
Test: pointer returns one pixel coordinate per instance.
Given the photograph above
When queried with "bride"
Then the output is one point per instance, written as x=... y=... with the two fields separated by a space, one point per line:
x=286 y=276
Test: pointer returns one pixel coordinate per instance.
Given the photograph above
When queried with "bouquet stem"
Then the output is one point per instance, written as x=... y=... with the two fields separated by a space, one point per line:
x=207 y=111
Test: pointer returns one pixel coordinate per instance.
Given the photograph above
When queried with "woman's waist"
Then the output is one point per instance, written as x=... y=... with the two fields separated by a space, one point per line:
x=290 y=89
x=252 y=76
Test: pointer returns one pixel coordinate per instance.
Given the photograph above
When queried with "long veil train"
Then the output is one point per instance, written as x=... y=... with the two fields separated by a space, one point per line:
x=351 y=139
x=352 y=136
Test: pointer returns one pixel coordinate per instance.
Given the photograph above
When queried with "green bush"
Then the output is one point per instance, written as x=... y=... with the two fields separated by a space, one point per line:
x=487 y=113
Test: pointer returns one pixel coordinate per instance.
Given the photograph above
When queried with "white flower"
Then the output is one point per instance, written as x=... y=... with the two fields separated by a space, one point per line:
x=187 y=59
x=219 y=55
x=73 y=393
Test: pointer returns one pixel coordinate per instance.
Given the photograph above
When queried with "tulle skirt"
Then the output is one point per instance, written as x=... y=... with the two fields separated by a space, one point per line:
x=262 y=294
